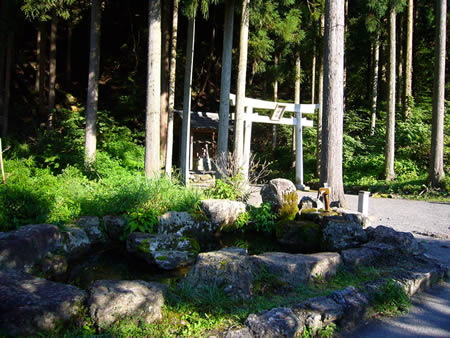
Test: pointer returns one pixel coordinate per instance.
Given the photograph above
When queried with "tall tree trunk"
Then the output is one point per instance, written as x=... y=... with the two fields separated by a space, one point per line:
x=400 y=62
x=165 y=64
x=225 y=84
x=172 y=73
x=408 y=59
x=38 y=58
x=241 y=81
x=345 y=56
x=376 y=62
x=313 y=72
x=320 y=96
x=436 y=173
x=275 y=99
x=152 y=120
x=7 y=86
x=42 y=67
x=69 y=57
x=92 y=93
x=2 y=72
x=52 y=71
x=298 y=75
x=389 y=171
x=187 y=100
x=333 y=110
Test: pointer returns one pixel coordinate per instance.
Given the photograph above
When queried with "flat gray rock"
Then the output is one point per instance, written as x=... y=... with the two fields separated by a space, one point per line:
x=340 y=234
x=228 y=268
x=111 y=300
x=222 y=213
x=278 y=322
x=23 y=248
x=91 y=225
x=167 y=251
x=404 y=242
x=183 y=224
x=298 y=268
x=29 y=304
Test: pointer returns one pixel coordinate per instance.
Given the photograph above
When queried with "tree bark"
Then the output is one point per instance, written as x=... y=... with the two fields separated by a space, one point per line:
x=152 y=120
x=313 y=73
x=408 y=59
x=225 y=84
x=172 y=73
x=436 y=173
x=376 y=62
x=400 y=61
x=38 y=59
x=241 y=82
x=320 y=96
x=165 y=64
x=7 y=86
x=298 y=75
x=52 y=71
x=333 y=110
x=69 y=57
x=42 y=68
x=186 y=125
x=389 y=171
x=92 y=93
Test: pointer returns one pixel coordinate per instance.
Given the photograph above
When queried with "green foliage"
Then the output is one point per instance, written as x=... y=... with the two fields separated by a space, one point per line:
x=242 y=221
x=36 y=195
x=391 y=299
x=231 y=188
x=262 y=218
x=142 y=220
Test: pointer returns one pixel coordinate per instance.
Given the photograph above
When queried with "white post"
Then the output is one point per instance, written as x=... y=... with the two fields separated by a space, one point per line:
x=363 y=202
x=186 y=126
x=299 y=154
x=191 y=152
x=247 y=140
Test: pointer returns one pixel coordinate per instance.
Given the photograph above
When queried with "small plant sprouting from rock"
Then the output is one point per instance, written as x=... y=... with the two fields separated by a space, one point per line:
x=289 y=207
x=143 y=220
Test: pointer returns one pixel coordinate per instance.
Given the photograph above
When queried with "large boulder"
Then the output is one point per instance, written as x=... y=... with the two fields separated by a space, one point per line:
x=222 y=213
x=300 y=236
x=402 y=242
x=273 y=192
x=30 y=305
x=183 y=224
x=339 y=233
x=167 y=251
x=295 y=269
x=74 y=242
x=91 y=225
x=363 y=256
x=111 y=300
x=114 y=227
x=24 y=248
x=228 y=268
x=278 y=322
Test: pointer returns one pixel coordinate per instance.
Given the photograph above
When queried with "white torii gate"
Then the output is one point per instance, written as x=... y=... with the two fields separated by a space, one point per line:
x=298 y=121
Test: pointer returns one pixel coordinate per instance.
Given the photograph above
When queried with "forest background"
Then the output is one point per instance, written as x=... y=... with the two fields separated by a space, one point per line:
x=43 y=131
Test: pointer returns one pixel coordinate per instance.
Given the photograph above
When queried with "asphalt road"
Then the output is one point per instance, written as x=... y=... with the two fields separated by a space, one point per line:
x=430 y=224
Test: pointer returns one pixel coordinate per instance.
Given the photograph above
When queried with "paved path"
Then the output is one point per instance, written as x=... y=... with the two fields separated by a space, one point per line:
x=430 y=224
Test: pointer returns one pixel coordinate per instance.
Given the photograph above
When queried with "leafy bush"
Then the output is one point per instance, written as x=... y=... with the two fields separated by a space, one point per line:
x=391 y=299
x=142 y=220
x=262 y=218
